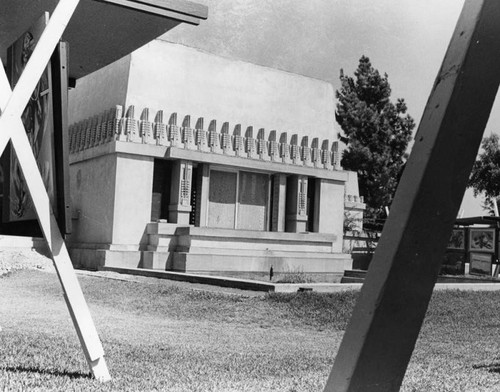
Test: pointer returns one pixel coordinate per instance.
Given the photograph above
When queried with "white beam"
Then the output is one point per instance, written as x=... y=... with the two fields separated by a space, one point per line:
x=11 y=127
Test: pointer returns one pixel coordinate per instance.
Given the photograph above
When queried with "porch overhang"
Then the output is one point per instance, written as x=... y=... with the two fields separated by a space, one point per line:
x=103 y=31
x=176 y=153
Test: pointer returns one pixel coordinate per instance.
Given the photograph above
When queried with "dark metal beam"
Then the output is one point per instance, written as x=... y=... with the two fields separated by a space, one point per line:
x=101 y=31
x=386 y=321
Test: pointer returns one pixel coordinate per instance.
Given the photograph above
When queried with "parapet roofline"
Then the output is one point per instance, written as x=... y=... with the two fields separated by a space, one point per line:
x=101 y=31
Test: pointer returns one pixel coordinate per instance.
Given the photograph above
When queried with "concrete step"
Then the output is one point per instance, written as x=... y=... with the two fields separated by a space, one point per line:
x=189 y=262
x=184 y=238
x=237 y=252
x=350 y=279
x=157 y=260
x=13 y=242
x=355 y=273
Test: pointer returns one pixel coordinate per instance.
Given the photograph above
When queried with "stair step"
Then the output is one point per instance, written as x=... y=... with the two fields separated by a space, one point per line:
x=350 y=279
x=331 y=263
x=355 y=274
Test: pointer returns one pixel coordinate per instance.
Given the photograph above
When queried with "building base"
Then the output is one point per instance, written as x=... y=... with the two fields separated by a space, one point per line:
x=222 y=251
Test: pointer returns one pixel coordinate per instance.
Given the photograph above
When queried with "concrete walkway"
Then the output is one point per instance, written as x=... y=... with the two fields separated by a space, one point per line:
x=249 y=286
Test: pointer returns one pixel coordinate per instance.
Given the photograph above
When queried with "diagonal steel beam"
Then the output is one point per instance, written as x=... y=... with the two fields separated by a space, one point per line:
x=386 y=321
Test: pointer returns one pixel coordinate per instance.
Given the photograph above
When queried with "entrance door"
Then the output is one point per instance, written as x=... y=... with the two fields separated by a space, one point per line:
x=253 y=201
x=222 y=199
x=238 y=200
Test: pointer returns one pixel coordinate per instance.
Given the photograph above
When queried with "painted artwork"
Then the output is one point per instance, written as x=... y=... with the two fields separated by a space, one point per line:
x=457 y=239
x=480 y=264
x=482 y=240
x=38 y=120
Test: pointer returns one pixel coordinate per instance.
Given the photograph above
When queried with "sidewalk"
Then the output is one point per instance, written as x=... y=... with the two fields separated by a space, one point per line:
x=247 y=286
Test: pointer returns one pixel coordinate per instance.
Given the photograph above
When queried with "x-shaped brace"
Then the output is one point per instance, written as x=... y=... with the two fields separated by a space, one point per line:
x=12 y=104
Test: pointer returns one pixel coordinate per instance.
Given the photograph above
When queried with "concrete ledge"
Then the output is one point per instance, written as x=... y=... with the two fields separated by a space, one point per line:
x=192 y=278
x=12 y=242
x=188 y=262
x=317 y=287
x=245 y=284
x=165 y=152
x=250 y=235
x=242 y=284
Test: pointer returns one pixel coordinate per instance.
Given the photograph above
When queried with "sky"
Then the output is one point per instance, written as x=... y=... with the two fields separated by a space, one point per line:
x=406 y=39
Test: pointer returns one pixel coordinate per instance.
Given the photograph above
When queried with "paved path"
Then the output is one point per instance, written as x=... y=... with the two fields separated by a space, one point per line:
x=235 y=284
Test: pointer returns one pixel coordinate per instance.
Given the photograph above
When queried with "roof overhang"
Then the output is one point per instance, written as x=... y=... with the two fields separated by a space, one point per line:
x=100 y=31
x=478 y=220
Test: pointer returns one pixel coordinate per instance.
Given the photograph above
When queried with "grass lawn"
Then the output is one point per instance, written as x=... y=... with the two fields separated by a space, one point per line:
x=168 y=336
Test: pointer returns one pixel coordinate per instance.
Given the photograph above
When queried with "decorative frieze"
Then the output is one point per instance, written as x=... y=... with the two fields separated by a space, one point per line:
x=238 y=141
x=201 y=142
x=188 y=134
x=185 y=188
x=132 y=126
x=146 y=128
x=294 y=149
x=305 y=151
x=326 y=155
x=354 y=199
x=96 y=137
x=214 y=138
x=114 y=123
x=315 y=153
x=250 y=144
x=262 y=143
x=273 y=147
x=160 y=130
x=119 y=125
x=284 y=148
x=173 y=131
x=226 y=140
x=335 y=155
x=302 y=199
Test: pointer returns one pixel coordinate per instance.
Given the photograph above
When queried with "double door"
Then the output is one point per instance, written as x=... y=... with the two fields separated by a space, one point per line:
x=238 y=200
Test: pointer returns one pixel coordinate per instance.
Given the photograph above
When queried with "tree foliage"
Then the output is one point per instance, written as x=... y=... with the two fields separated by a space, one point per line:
x=376 y=132
x=485 y=175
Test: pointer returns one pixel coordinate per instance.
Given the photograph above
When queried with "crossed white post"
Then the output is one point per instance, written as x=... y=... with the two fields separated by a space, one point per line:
x=12 y=104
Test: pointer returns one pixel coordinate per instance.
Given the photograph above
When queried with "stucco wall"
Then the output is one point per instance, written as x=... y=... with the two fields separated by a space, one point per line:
x=92 y=198
x=132 y=208
x=99 y=91
x=180 y=79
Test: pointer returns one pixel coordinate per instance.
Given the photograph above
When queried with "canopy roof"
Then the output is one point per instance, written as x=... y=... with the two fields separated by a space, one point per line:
x=479 y=220
x=101 y=31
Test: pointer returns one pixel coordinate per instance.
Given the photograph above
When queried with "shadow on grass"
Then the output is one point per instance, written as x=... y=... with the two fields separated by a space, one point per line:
x=490 y=368
x=30 y=369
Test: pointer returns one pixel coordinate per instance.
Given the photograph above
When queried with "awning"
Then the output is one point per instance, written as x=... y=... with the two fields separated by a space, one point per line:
x=478 y=220
x=101 y=31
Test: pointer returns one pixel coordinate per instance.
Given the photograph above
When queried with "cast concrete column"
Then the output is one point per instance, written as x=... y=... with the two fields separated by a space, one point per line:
x=279 y=203
x=180 y=192
x=296 y=204
x=203 y=182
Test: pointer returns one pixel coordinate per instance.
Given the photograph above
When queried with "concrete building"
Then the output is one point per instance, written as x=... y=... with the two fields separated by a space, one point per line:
x=187 y=161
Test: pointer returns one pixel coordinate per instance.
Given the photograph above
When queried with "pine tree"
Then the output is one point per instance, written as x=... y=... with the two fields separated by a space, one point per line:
x=376 y=132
